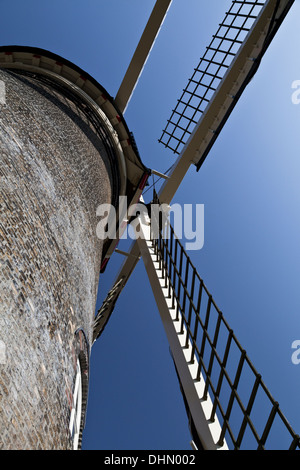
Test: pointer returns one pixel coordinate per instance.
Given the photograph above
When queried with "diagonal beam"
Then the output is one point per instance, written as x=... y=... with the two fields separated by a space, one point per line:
x=193 y=386
x=108 y=306
x=141 y=54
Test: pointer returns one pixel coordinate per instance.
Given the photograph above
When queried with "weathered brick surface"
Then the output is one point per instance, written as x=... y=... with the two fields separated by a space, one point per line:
x=54 y=172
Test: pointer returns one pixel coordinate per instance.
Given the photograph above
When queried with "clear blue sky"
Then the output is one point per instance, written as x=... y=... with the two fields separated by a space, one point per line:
x=250 y=188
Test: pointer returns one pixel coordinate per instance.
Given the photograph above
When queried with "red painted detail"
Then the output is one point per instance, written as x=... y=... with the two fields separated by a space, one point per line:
x=104 y=263
x=144 y=181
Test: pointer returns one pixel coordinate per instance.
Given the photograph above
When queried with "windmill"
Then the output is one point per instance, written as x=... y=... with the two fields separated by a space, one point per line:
x=228 y=65
x=227 y=403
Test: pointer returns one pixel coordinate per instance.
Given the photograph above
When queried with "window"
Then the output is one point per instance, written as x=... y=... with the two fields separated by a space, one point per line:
x=75 y=418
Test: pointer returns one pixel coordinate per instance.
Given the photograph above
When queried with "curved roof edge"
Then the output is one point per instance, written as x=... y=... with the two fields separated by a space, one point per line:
x=132 y=170
x=40 y=60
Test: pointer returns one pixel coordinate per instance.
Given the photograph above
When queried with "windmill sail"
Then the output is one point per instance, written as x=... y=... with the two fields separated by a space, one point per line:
x=225 y=69
x=228 y=404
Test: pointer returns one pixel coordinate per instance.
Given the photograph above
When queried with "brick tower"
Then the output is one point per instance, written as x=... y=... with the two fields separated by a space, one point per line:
x=65 y=149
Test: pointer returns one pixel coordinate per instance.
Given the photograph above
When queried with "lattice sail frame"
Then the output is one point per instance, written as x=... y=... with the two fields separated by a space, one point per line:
x=247 y=413
x=209 y=73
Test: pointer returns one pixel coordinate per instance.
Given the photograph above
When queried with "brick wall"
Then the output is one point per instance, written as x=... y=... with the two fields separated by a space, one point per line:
x=54 y=172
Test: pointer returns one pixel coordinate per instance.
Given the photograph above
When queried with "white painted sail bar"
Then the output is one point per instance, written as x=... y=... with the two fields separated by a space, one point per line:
x=193 y=387
x=141 y=54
